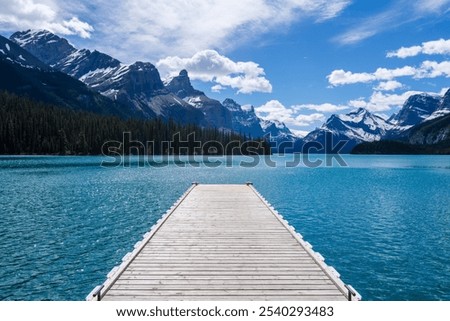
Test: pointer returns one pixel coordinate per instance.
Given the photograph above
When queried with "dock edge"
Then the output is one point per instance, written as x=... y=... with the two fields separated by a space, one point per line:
x=97 y=293
x=347 y=290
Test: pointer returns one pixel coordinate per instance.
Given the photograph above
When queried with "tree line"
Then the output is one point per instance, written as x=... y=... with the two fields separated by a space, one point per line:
x=35 y=128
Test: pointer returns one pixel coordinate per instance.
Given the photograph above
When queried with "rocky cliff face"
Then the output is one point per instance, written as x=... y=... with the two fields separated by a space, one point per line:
x=433 y=126
x=11 y=52
x=244 y=120
x=445 y=103
x=416 y=109
x=215 y=113
x=433 y=131
x=182 y=87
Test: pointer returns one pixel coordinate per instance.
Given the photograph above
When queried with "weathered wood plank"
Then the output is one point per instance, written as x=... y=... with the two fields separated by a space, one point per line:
x=212 y=293
x=227 y=287
x=293 y=278
x=225 y=273
x=227 y=282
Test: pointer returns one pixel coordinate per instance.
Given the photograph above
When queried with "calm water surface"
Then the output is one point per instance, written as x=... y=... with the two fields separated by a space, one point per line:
x=383 y=221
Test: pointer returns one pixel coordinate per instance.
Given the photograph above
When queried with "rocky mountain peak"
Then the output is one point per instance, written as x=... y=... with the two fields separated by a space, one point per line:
x=231 y=105
x=44 y=45
x=360 y=112
x=181 y=86
x=274 y=127
x=244 y=120
x=138 y=78
x=416 y=109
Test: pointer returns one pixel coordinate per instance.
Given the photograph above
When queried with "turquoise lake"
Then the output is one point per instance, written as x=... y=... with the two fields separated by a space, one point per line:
x=382 y=221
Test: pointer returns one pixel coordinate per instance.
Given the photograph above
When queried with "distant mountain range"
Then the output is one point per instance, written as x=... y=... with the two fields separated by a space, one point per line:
x=137 y=86
x=418 y=112
x=353 y=128
x=44 y=66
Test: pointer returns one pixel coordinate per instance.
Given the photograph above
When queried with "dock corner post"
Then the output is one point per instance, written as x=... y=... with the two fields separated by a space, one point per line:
x=96 y=293
x=352 y=294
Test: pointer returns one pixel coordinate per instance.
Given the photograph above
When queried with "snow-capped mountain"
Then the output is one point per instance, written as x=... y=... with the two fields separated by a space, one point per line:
x=281 y=139
x=244 y=119
x=215 y=113
x=23 y=74
x=362 y=126
x=137 y=85
x=433 y=129
x=277 y=130
x=416 y=109
x=352 y=128
x=246 y=122
x=44 y=45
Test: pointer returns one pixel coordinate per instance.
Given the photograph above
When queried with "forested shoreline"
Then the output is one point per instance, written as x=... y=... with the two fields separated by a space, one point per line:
x=390 y=147
x=29 y=127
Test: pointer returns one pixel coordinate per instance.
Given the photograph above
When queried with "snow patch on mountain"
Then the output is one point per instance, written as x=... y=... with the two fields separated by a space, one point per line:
x=13 y=53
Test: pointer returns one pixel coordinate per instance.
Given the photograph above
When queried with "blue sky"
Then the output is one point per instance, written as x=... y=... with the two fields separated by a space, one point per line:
x=297 y=61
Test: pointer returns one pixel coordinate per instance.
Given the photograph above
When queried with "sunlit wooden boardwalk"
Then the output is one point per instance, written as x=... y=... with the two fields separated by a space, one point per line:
x=223 y=242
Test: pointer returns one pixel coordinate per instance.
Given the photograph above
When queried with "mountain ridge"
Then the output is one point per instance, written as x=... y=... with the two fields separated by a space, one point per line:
x=23 y=74
x=361 y=126
x=136 y=85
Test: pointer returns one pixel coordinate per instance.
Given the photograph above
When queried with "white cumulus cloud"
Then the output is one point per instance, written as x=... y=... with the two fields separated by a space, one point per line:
x=380 y=102
x=433 y=69
x=342 y=77
x=41 y=14
x=428 y=69
x=435 y=47
x=276 y=111
x=75 y=26
x=390 y=85
x=209 y=66
x=307 y=120
x=324 y=108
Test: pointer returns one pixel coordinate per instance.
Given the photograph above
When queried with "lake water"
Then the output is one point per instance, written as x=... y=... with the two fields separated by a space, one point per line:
x=382 y=221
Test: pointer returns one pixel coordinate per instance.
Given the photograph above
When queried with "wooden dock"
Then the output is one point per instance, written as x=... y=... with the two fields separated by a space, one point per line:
x=223 y=242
